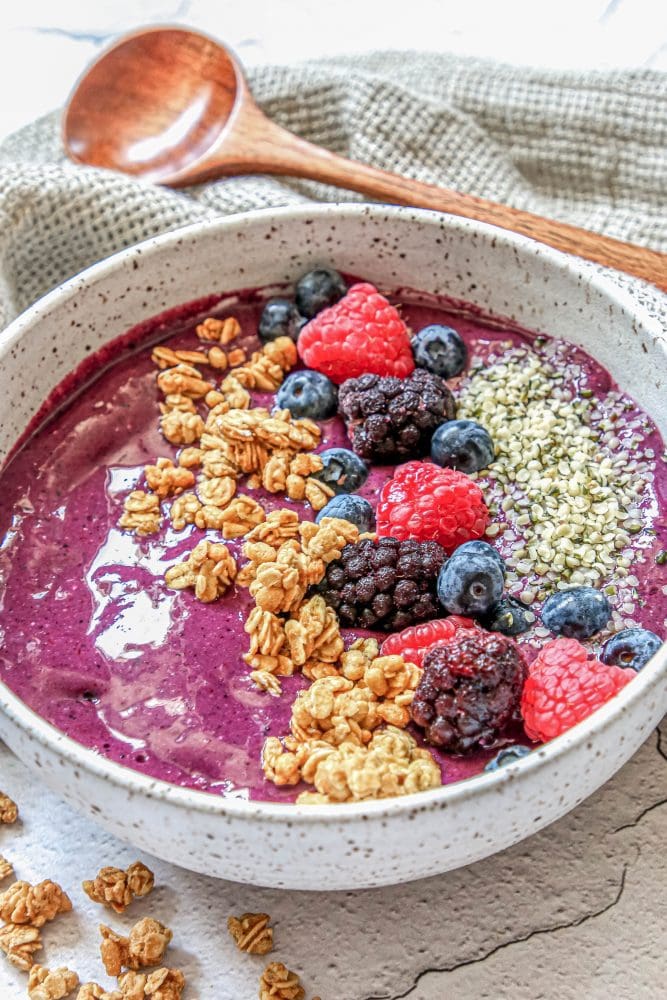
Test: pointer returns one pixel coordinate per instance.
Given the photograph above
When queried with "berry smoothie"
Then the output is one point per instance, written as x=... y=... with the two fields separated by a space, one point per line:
x=93 y=640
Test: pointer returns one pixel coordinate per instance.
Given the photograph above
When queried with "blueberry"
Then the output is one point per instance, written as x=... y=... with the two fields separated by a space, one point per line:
x=343 y=471
x=318 y=289
x=280 y=318
x=632 y=647
x=440 y=350
x=462 y=444
x=508 y=616
x=509 y=755
x=470 y=586
x=577 y=613
x=308 y=394
x=350 y=508
x=478 y=547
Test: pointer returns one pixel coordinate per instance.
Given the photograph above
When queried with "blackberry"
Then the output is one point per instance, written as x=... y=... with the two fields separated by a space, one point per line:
x=469 y=691
x=391 y=419
x=385 y=585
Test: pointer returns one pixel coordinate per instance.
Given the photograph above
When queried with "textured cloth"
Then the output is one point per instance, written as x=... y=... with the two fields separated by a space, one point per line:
x=589 y=148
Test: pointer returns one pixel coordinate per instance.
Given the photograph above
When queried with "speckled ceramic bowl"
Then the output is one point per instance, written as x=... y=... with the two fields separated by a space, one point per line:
x=347 y=846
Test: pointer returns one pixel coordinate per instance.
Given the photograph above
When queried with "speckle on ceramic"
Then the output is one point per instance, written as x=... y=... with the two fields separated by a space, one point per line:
x=397 y=839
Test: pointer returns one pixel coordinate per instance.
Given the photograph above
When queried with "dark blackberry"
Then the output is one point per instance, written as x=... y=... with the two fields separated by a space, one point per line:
x=385 y=585
x=469 y=691
x=390 y=419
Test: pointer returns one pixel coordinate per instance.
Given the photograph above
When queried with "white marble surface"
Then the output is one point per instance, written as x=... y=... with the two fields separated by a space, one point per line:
x=577 y=911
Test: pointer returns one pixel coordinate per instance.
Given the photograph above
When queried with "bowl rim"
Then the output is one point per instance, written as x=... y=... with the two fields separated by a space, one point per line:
x=134 y=782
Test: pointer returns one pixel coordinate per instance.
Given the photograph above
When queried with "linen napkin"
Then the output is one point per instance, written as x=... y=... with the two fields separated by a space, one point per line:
x=589 y=148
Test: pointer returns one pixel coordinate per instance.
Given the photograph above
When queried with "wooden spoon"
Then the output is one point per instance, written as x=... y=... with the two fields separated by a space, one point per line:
x=172 y=106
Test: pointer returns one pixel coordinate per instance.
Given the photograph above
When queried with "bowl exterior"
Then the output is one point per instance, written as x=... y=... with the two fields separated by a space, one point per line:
x=349 y=846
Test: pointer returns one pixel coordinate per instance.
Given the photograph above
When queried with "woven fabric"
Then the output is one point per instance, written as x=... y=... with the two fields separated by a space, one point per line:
x=588 y=148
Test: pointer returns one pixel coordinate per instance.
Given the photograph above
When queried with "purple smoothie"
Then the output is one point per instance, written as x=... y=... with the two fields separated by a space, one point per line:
x=90 y=636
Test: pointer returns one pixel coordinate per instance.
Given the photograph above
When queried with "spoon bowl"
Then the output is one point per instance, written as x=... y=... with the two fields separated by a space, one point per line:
x=154 y=105
x=172 y=106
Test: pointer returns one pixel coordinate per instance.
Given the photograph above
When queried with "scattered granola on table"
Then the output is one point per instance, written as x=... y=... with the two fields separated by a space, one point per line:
x=116 y=888
x=23 y=903
x=9 y=811
x=45 y=984
x=20 y=942
x=145 y=945
x=251 y=933
x=6 y=868
x=278 y=983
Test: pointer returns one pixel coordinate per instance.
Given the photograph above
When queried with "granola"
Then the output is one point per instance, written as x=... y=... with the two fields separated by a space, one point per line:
x=278 y=983
x=19 y=943
x=6 y=868
x=141 y=513
x=45 y=984
x=145 y=945
x=9 y=811
x=209 y=569
x=166 y=479
x=221 y=331
x=251 y=932
x=23 y=903
x=184 y=379
x=161 y=984
x=116 y=888
x=181 y=428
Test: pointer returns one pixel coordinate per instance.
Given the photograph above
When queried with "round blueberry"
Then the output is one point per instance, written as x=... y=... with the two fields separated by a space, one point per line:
x=280 y=318
x=509 y=755
x=508 y=616
x=632 y=647
x=350 y=508
x=342 y=470
x=308 y=394
x=462 y=444
x=478 y=547
x=470 y=586
x=577 y=613
x=318 y=289
x=440 y=350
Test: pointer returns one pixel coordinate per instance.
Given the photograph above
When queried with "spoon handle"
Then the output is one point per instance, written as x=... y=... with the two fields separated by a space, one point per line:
x=268 y=148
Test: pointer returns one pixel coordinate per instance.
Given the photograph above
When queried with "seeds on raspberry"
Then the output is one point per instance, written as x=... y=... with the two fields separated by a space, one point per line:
x=423 y=501
x=469 y=691
x=390 y=419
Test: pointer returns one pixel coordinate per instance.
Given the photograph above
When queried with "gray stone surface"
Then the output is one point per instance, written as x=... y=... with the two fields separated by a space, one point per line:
x=577 y=911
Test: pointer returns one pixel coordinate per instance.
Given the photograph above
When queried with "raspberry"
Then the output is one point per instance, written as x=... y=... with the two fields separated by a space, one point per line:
x=415 y=642
x=564 y=686
x=361 y=333
x=385 y=585
x=391 y=419
x=429 y=503
x=469 y=691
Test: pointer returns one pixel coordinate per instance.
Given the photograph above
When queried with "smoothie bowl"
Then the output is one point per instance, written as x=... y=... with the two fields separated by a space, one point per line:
x=372 y=577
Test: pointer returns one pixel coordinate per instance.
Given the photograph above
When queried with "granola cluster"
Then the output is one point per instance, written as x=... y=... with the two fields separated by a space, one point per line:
x=286 y=557
x=209 y=570
x=278 y=983
x=141 y=513
x=9 y=812
x=337 y=726
x=145 y=945
x=161 y=984
x=117 y=887
x=251 y=933
x=6 y=868
x=45 y=984
x=23 y=903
